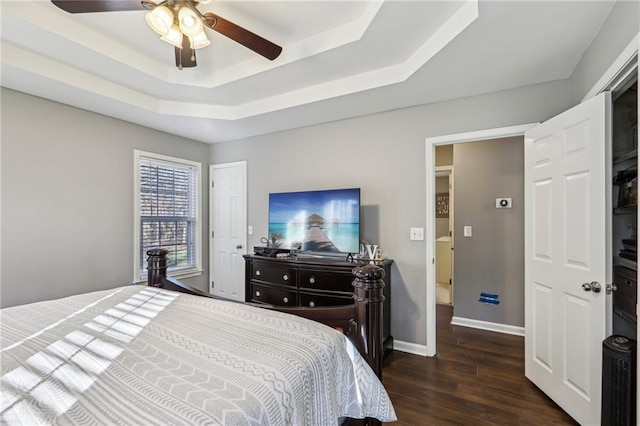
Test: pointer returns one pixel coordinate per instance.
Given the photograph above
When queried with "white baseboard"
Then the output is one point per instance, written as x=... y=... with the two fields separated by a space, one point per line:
x=489 y=326
x=422 y=350
x=411 y=348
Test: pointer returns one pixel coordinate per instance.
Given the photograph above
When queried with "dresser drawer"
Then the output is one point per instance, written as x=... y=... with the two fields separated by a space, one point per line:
x=326 y=280
x=274 y=273
x=273 y=296
x=314 y=299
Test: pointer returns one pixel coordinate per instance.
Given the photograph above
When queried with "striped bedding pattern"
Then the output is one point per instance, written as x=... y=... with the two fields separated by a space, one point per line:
x=139 y=355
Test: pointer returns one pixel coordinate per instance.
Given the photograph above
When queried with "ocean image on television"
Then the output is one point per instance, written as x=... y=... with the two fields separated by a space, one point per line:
x=317 y=221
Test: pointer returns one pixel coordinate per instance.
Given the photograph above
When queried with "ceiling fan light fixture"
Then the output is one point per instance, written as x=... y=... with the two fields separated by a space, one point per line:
x=174 y=36
x=160 y=19
x=190 y=22
x=199 y=41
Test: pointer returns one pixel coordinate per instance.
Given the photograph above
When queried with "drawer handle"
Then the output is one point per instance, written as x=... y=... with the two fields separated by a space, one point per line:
x=311 y=304
x=285 y=277
x=285 y=300
x=258 y=273
x=312 y=280
x=257 y=294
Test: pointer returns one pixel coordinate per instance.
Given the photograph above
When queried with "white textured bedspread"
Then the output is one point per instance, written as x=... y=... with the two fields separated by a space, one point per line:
x=140 y=356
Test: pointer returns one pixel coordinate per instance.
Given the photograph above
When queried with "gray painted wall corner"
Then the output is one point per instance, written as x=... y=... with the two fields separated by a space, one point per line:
x=492 y=259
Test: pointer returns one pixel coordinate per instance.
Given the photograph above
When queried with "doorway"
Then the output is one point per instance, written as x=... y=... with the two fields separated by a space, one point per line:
x=432 y=145
x=444 y=225
x=624 y=222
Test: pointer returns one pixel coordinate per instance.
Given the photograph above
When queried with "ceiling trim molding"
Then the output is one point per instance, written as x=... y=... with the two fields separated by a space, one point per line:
x=300 y=50
x=55 y=70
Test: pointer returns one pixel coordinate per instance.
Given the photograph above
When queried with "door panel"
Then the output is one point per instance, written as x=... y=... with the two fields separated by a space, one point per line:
x=567 y=162
x=228 y=226
x=543 y=337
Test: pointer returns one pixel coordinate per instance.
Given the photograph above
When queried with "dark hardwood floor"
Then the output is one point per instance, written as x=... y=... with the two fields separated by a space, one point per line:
x=476 y=378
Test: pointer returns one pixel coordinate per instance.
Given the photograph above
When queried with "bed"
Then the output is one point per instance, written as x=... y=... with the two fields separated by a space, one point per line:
x=164 y=354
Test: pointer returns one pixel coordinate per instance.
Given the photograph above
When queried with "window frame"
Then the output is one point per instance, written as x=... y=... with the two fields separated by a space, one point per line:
x=197 y=270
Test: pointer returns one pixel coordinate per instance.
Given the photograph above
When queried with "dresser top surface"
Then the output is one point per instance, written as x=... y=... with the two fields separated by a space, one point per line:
x=301 y=260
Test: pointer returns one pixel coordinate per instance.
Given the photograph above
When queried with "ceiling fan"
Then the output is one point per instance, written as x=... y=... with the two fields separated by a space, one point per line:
x=179 y=23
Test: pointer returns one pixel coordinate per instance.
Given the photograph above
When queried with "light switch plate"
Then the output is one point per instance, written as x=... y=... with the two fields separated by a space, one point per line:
x=250 y=230
x=468 y=231
x=416 y=234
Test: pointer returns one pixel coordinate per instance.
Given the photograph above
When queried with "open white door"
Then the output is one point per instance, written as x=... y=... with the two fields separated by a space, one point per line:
x=228 y=218
x=568 y=254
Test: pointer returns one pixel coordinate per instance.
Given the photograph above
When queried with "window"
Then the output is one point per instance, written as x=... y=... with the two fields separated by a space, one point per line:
x=167 y=196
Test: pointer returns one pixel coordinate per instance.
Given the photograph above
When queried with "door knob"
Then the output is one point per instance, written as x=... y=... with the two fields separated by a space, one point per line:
x=592 y=286
x=611 y=288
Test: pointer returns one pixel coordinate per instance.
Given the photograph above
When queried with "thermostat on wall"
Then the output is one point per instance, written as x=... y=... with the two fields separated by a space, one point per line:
x=503 y=203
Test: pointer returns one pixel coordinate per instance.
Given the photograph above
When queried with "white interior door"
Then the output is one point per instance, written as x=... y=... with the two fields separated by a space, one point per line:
x=567 y=244
x=228 y=218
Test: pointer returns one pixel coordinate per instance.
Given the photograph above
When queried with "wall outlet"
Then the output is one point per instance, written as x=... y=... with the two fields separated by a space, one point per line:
x=416 y=234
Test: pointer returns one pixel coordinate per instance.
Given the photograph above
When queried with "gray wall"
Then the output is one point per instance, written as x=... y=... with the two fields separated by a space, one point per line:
x=67 y=198
x=444 y=155
x=492 y=260
x=384 y=155
x=620 y=27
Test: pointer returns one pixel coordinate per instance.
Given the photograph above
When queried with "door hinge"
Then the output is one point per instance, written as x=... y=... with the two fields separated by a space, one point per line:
x=211 y=234
x=212 y=285
x=212 y=185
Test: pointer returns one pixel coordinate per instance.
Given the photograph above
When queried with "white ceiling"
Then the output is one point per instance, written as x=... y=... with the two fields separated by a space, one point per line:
x=340 y=59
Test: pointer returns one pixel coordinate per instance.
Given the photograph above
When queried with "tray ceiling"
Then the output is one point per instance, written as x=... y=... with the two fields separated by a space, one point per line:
x=340 y=59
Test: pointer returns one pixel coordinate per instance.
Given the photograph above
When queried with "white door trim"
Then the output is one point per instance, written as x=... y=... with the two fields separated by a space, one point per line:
x=431 y=143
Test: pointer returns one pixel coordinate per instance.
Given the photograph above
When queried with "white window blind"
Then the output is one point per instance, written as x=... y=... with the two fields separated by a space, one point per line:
x=168 y=212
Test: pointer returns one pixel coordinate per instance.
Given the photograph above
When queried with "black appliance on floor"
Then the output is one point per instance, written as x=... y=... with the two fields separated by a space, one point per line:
x=618 y=381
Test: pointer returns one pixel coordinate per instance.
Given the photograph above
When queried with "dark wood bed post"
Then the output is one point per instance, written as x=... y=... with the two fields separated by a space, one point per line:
x=156 y=266
x=369 y=296
x=157 y=275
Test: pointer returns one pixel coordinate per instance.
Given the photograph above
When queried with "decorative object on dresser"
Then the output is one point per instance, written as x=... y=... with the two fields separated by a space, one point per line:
x=311 y=282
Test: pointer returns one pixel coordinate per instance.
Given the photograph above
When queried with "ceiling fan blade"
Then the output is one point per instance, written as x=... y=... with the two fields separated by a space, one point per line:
x=184 y=56
x=89 y=6
x=245 y=37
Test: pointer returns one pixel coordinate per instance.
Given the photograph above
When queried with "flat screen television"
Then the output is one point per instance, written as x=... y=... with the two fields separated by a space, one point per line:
x=326 y=221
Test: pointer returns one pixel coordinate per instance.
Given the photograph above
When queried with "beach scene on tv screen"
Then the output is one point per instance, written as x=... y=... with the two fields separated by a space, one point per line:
x=316 y=221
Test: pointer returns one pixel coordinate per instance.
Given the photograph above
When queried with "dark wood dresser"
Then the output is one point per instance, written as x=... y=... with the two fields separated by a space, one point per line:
x=310 y=281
